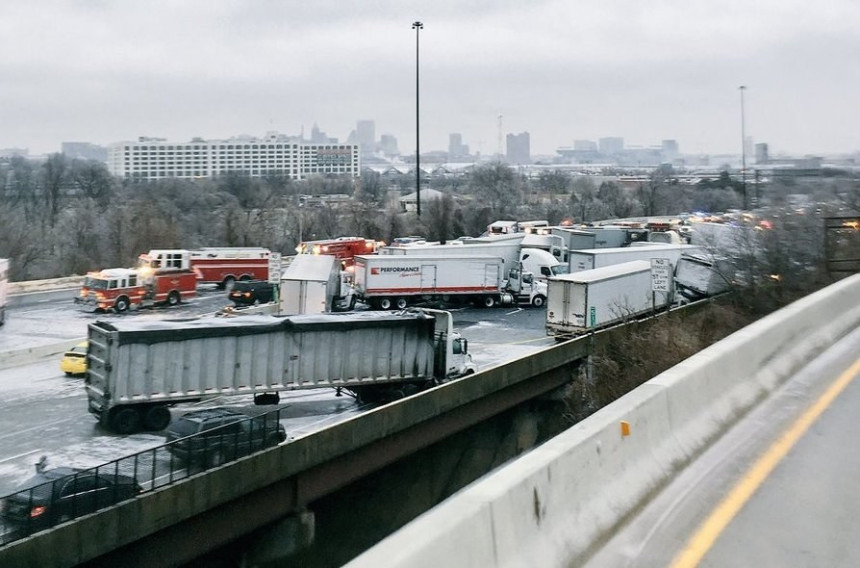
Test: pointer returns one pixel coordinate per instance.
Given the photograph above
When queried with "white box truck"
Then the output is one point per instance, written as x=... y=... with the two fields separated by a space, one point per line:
x=315 y=284
x=398 y=281
x=593 y=299
x=137 y=369
x=702 y=275
x=598 y=258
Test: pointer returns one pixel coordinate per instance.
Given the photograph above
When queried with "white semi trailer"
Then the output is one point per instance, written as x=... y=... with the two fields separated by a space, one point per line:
x=592 y=299
x=398 y=281
x=136 y=370
x=580 y=260
x=4 y=287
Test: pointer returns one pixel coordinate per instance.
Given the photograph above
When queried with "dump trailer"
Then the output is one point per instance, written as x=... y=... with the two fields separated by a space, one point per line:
x=598 y=258
x=702 y=275
x=398 y=281
x=593 y=299
x=136 y=369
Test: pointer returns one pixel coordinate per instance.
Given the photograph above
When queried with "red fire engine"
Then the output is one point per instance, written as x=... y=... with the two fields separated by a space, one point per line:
x=342 y=248
x=223 y=266
x=161 y=277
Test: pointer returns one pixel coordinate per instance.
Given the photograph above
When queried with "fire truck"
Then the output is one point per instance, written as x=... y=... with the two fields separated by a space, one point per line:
x=343 y=248
x=223 y=266
x=162 y=277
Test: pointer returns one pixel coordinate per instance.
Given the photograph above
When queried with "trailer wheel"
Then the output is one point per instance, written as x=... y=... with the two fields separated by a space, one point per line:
x=489 y=301
x=156 y=418
x=401 y=303
x=267 y=398
x=125 y=421
x=173 y=298
x=538 y=301
x=385 y=303
x=121 y=304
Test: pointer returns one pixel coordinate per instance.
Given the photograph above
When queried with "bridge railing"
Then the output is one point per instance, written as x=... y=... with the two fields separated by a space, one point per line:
x=59 y=495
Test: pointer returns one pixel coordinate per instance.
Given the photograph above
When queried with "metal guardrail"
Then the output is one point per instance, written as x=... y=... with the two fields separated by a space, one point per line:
x=85 y=491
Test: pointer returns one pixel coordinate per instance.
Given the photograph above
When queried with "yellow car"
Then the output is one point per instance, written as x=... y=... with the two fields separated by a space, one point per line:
x=74 y=361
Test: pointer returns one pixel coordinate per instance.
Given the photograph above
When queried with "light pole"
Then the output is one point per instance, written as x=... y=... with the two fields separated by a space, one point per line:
x=743 y=88
x=417 y=26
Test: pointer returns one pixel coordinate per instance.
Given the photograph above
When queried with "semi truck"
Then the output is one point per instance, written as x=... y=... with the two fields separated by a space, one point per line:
x=4 y=288
x=702 y=275
x=224 y=265
x=395 y=281
x=162 y=277
x=597 y=258
x=137 y=370
x=593 y=299
x=541 y=263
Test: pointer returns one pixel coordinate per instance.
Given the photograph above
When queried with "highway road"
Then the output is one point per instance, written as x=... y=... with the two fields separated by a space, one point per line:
x=779 y=489
x=43 y=412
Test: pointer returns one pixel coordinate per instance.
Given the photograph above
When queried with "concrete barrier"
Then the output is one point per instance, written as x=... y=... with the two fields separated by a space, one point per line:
x=49 y=285
x=554 y=506
x=29 y=355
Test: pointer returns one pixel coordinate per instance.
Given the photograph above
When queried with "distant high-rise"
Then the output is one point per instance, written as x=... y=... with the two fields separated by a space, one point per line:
x=585 y=145
x=761 y=153
x=518 y=148
x=611 y=145
x=456 y=149
x=669 y=150
x=365 y=136
x=388 y=145
x=320 y=137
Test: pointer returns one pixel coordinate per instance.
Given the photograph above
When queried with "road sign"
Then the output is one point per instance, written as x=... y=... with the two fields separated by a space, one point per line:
x=275 y=267
x=661 y=275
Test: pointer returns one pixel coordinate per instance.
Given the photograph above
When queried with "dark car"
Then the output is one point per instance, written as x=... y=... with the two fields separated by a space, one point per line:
x=250 y=292
x=56 y=495
x=214 y=436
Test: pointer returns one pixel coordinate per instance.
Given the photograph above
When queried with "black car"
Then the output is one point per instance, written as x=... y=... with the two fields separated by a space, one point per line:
x=56 y=495
x=214 y=436
x=250 y=292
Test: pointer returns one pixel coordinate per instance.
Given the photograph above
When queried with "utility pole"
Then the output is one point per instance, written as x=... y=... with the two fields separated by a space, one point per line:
x=743 y=88
x=417 y=26
x=500 y=139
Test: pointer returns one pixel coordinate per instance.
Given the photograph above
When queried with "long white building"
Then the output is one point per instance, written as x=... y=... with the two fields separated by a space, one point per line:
x=150 y=159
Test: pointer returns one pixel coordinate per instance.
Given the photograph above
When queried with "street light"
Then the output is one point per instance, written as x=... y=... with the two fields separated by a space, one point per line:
x=417 y=26
x=743 y=88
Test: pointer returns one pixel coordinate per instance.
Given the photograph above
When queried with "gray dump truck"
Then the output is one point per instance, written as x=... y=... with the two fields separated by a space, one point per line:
x=137 y=370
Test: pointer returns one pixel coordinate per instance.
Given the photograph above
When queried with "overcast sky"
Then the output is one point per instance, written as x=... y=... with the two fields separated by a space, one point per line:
x=103 y=71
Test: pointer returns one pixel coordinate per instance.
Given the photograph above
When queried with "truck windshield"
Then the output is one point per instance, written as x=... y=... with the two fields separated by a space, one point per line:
x=96 y=283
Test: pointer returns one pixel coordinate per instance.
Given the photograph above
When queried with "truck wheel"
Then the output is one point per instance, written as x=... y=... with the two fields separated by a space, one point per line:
x=267 y=398
x=385 y=303
x=401 y=303
x=489 y=301
x=121 y=304
x=538 y=301
x=125 y=421
x=156 y=418
x=173 y=298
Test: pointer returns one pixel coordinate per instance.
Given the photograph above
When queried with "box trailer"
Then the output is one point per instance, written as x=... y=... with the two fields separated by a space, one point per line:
x=136 y=370
x=702 y=275
x=315 y=284
x=598 y=258
x=398 y=281
x=593 y=299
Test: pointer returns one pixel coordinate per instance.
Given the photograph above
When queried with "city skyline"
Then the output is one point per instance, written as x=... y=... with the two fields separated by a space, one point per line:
x=646 y=72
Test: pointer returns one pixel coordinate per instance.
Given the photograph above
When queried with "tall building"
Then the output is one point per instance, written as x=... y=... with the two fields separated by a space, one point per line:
x=761 y=153
x=320 y=137
x=585 y=145
x=456 y=149
x=669 y=150
x=611 y=145
x=518 y=148
x=365 y=136
x=151 y=159
x=388 y=145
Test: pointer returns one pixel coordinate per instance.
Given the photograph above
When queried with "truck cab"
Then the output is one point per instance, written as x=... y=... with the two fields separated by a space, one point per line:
x=453 y=359
x=526 y=289
x=542 y=264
